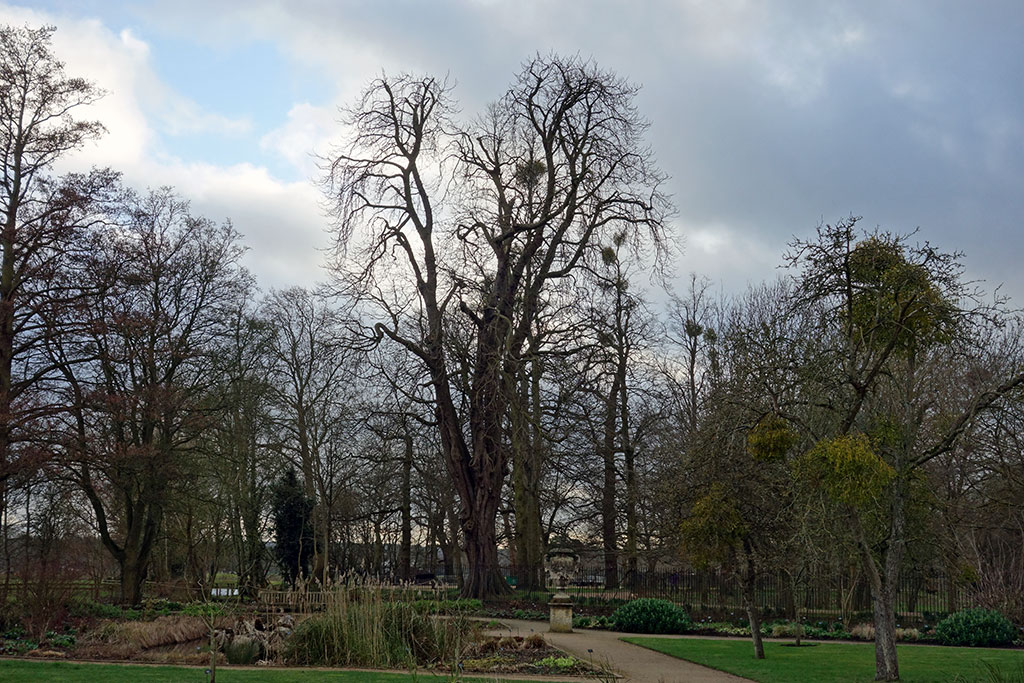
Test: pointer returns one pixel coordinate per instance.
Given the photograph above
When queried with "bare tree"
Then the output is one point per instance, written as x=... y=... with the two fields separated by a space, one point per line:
x=42 y=218
x=161 y=287
x=312 y=377
x=556 y=163
x=238 y=445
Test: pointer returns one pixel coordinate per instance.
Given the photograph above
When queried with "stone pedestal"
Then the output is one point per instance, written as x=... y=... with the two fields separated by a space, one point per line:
x=561 y=613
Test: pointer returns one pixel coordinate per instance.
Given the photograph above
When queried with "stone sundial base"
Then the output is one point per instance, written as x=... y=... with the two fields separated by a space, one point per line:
x=561 y=613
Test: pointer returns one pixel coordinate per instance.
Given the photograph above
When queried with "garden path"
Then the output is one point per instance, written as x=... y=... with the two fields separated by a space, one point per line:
x=636 y=664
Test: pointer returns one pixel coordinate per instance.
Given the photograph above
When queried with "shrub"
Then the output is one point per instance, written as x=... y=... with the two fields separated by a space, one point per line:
x=650 y=615
x=863 y=631
x=908 y=635
x=242 y=651
x=448 y=606
x=976 y=628
x=66 y=639
x=534 y=641
x=84 y=607
x=784 y=630
x=726 y=629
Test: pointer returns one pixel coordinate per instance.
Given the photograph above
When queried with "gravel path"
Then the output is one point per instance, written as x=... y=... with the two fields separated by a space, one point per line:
x=634 y=663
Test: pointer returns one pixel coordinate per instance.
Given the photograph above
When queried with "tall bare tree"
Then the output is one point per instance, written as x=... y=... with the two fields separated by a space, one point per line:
x=41 y=218
x=471 y=226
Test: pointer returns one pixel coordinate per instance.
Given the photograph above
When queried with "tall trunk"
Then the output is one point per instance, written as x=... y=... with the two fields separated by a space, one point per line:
x=748 y=580
x=510 y=535
x=609 y=538
x=137 y=552
x=7 y=287
x=132 y=578
x=629 y=459
x=405 y=547
x=309 y=483
x=529 y=538
x=6 y=540
x=480 y=499
x=951 y=591
x=883 y=581
x=527 y=448
x=484 y=577
x=453 y=549
x=377 y=557
x=252 y=576
x=886 y=662
x=478 y=469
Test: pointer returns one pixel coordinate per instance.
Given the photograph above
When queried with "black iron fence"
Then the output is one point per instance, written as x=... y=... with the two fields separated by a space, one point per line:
x=845 y=598
x=835 y=597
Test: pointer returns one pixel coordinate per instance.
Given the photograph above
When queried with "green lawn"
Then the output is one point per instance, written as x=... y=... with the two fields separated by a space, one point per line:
x=80 y=672
x=841 y=662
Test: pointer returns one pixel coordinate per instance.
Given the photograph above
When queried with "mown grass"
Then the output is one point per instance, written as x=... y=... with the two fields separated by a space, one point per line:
x=75 y=672
x=842 y=662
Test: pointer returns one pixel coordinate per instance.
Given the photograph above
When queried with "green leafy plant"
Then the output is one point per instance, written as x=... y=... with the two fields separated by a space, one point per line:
x=461 y=605
x=66 y=639
x=976 y=627
x=85 y=608
x=651 y=615
x=555 y=662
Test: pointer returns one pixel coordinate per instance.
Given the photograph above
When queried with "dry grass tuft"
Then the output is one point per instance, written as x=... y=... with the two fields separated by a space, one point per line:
x=908 y=634
x=863 y=632
x=169 y=630
x=144 y=635
x=867 y=632
x=534 y=641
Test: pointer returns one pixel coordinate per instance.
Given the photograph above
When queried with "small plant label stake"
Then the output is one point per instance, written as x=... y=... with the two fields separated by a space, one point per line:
x=561 y=565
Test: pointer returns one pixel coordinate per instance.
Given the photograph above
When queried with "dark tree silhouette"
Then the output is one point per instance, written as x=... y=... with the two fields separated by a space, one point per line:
x=293 y=526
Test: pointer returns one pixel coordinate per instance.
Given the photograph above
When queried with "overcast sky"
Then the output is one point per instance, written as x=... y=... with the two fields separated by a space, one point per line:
x=768 y=116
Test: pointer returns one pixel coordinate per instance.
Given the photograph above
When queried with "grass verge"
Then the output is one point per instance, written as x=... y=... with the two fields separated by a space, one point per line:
x=842 y=662
x=83 y=672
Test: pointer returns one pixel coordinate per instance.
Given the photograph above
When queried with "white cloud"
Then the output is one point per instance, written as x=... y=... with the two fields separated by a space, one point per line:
x=734 y=257
x=282 y=222
x=308 y=130
x=766 y=116
x=137 y=105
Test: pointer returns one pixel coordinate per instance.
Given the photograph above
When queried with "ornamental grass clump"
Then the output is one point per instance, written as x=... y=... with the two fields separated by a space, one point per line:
x=650 y=615
x=976 y=627
x=360 y=628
